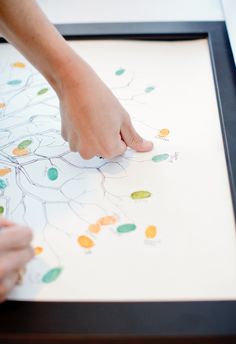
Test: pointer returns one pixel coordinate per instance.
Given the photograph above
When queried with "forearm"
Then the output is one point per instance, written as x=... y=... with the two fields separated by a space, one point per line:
x=24 y=25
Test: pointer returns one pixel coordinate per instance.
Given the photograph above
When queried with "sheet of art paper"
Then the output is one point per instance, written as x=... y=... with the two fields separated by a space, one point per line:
x=142 y=226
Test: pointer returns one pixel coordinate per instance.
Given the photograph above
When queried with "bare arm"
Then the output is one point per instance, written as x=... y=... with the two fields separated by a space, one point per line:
x=26 y=27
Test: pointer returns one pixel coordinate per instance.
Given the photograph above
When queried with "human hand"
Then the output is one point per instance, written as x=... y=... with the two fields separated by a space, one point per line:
x=15 y=252
x=93 y=120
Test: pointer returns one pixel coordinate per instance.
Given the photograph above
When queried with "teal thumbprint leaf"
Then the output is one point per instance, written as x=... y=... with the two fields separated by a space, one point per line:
x=3 y=184
x=51 y=275
x=126 y=228
x=120 y=71
x=52 y=173
x=160 y=157
x=14 y=82
x=149 y=89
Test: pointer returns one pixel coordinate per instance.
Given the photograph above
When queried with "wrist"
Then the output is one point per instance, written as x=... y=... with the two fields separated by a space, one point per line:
x=67 y=72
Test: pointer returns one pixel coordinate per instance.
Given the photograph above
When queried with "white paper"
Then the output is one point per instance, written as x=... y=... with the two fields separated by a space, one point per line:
x=163 y=85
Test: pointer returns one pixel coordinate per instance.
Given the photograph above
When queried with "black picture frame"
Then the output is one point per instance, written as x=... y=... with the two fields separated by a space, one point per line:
x=144 y=322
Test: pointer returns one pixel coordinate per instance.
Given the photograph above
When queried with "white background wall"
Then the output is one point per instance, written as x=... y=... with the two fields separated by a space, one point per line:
x=69 y=11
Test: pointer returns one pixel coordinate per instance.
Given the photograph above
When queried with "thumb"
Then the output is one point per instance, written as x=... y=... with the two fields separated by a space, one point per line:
x=133 y=139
